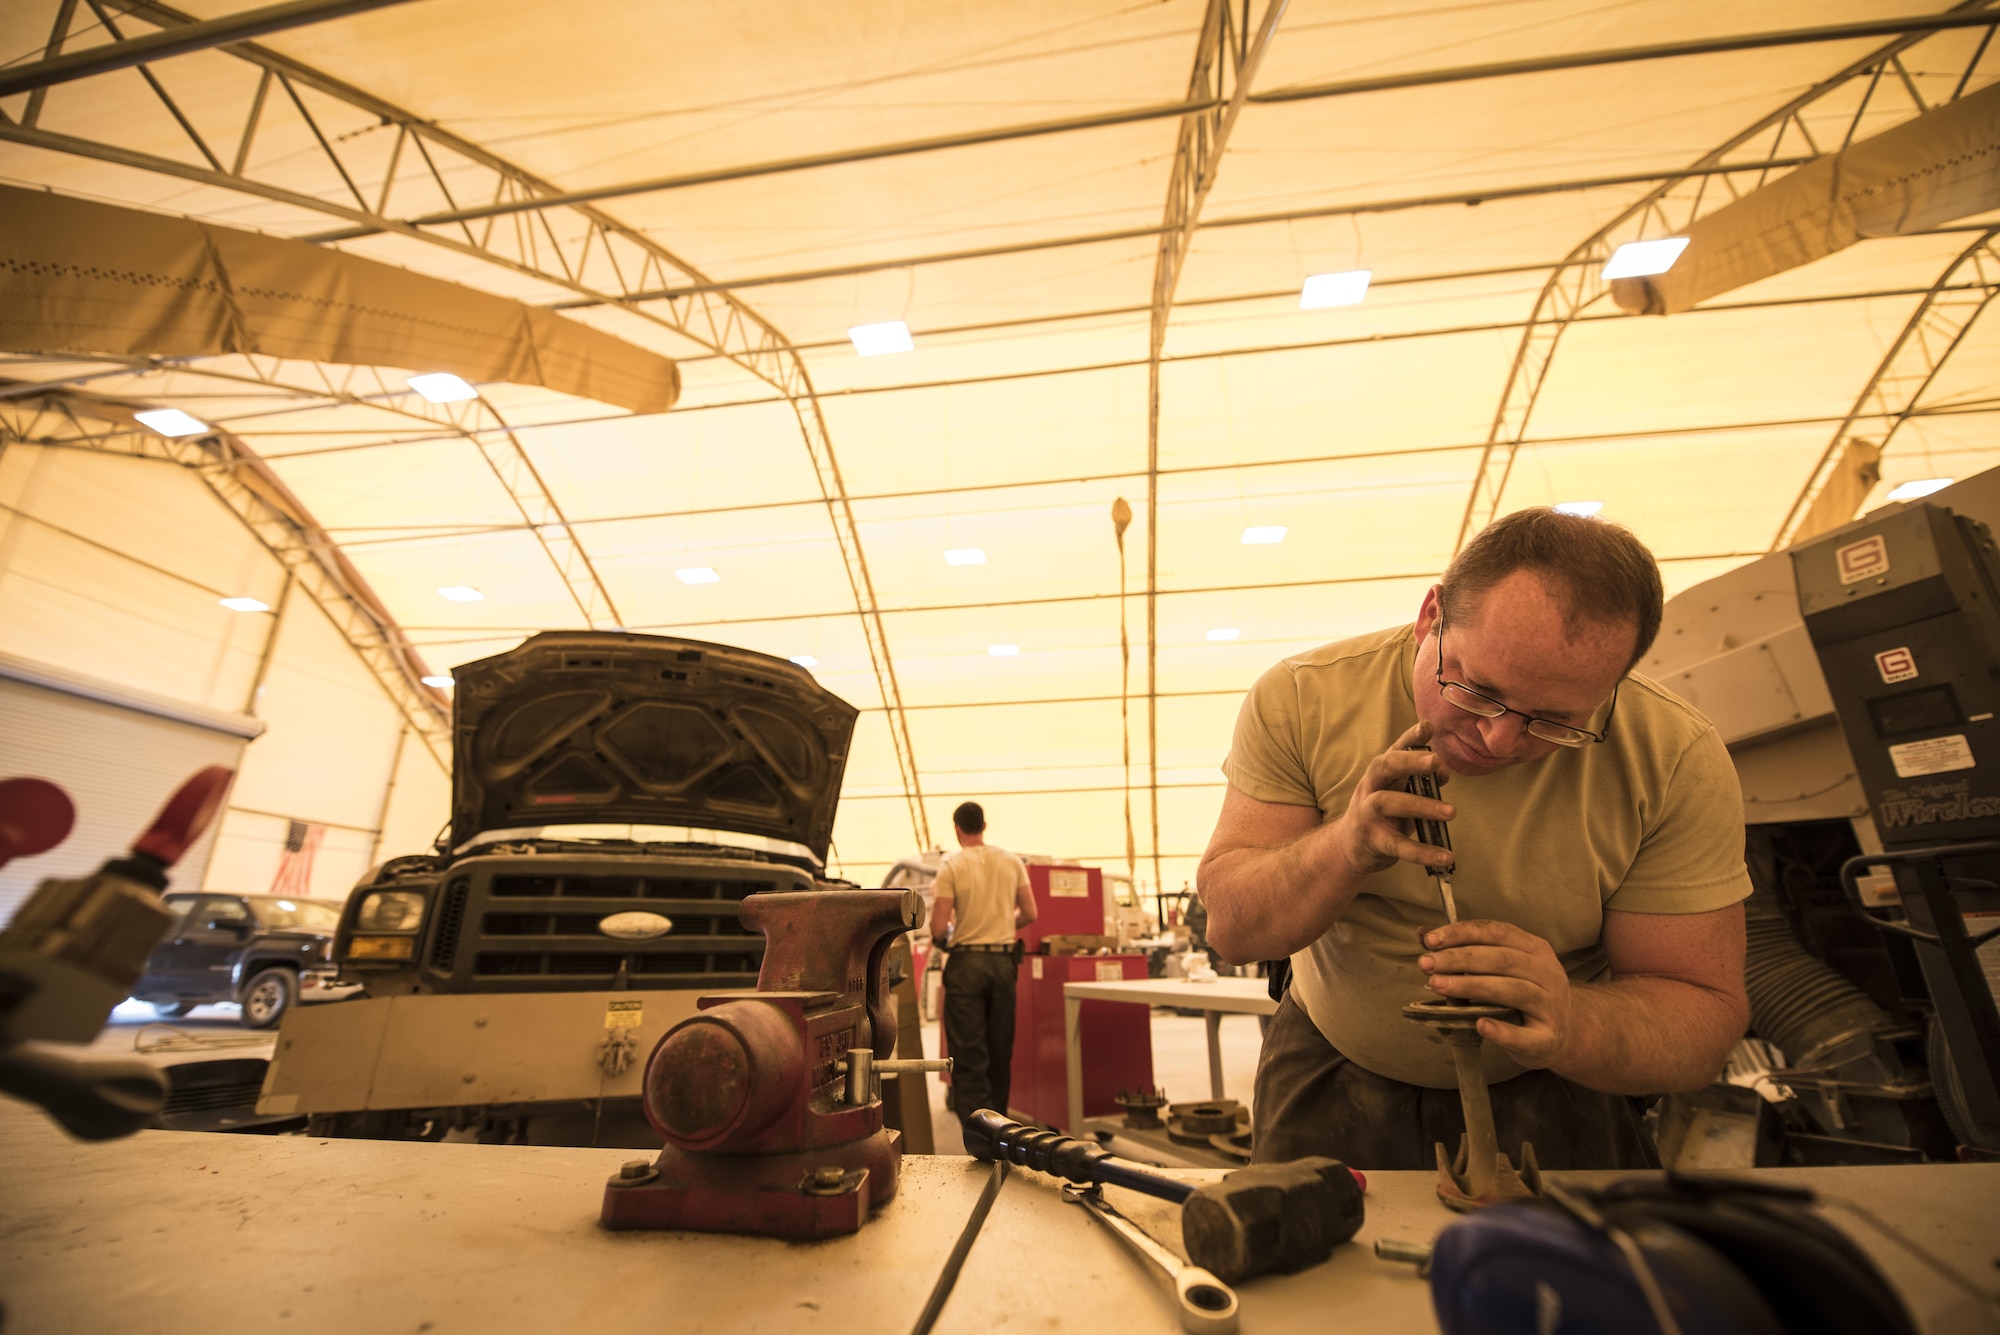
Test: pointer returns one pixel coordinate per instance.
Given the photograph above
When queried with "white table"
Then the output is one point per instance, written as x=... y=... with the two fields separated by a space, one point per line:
x=178 y=1233
x=1224 y=996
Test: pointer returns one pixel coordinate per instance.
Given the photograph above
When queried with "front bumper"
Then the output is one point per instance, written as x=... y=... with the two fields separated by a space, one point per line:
x=430 y=1051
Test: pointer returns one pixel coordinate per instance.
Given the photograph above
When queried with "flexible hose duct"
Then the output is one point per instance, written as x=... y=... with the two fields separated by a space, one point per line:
x=1815 y=1016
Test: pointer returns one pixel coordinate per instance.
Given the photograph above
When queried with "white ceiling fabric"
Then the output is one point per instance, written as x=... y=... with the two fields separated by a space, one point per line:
x=1022 y=413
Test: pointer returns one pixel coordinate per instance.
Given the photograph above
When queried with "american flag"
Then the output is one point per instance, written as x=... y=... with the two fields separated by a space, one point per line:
x=295 y=867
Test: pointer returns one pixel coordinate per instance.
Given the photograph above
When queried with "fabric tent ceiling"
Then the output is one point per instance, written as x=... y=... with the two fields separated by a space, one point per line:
x=1022 y=414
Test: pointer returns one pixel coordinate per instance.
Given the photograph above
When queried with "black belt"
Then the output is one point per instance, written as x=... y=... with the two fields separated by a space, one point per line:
x=1008 y=949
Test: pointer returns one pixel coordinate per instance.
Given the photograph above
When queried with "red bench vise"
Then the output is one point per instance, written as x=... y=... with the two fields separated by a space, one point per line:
x=767 y=1100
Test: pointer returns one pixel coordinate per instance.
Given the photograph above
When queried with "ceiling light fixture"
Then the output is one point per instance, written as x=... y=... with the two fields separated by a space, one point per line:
x=1583 y=509
x=965 y=556
x=1003 y=650
x=442 y=387
x=461 y=593
x=879 y=340
x=246 y=604
x=1346 y=288
x=1224 y=633
x=805 y=660
x=1264 y=535
x=442 y=683
x=1909 y=491
x=172 y=422
x=698 y=575
x=1641 y=259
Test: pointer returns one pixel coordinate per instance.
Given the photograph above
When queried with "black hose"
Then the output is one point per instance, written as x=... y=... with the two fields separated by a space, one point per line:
x=953 y=1263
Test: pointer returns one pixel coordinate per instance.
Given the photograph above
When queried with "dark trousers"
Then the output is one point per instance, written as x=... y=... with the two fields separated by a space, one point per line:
x=979 y=1028
x=1312 y=1100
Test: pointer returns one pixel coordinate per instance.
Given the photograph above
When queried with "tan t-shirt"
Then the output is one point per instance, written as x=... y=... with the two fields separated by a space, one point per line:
x=1651 y=821
x=982 y=881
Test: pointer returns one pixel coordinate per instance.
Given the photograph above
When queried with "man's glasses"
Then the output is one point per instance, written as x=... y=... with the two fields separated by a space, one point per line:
x=1548 y=730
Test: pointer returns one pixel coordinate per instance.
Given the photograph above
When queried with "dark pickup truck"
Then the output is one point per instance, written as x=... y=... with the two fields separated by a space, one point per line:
x=259 y=950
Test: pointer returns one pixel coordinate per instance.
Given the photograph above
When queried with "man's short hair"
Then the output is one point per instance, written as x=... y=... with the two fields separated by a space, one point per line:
x=1595 y=569
x=970 y=817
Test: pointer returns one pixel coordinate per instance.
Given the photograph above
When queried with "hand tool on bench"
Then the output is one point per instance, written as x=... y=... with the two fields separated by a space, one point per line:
x=1205 y=1304
x=1268 y=1217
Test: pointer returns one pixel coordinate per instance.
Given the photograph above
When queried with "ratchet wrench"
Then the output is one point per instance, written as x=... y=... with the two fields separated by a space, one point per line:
x=1207 y=1305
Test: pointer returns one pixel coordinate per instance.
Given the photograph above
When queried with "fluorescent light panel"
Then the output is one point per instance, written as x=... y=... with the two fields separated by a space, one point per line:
x=1224 y=633
x=1910 y=491
x=461 y=593
x=1640 y=259
x=698 y=575
x=879 y=340
x=1264 y=535
x=1003 y=650
x=1346 y=288
x=172 y=422
x=1584 y=508
x=965 y=556
x=246 y=605
x=442 y=387
x=443 y=683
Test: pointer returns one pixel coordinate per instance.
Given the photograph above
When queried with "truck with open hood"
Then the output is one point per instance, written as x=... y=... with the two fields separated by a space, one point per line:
x=615 y=797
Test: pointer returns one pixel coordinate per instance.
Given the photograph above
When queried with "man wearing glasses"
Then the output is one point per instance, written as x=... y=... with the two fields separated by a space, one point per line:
x=1597 y=828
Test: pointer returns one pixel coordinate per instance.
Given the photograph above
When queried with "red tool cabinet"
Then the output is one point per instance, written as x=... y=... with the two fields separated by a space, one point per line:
x=1117 y=1038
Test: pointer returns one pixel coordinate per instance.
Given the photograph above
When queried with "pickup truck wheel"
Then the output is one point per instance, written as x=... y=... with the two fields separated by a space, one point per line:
x=268 y=997
x=170 y=1009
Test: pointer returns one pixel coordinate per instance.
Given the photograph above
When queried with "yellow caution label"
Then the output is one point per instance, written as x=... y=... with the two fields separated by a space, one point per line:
x=623 y=1014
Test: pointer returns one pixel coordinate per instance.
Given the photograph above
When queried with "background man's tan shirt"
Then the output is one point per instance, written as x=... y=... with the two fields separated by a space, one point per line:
x=981 y=881
x=1649 y=822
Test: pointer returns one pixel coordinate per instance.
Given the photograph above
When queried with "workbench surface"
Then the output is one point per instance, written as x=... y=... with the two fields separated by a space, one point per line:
x=181 y=1232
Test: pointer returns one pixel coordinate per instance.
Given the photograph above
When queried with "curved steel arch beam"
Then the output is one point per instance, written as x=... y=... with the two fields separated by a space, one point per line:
x=1225 y=65
x=1576 y=285
x=1933 y=332
x=247 y=486
x=592 y=255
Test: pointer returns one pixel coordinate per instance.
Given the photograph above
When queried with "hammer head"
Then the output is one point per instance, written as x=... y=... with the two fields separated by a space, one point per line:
x=1278 y=1217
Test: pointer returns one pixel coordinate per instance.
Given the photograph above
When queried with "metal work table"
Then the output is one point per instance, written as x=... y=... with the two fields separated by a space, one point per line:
x=172 y=1232
x=1224 y=996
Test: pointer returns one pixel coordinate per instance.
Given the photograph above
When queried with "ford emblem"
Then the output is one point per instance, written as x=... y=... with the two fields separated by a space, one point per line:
x=635 y=926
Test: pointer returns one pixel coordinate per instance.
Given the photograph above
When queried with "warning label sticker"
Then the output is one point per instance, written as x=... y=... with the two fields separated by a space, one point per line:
x=1069 y=884
x=1860 y=560
x=1933 y=755
x=1896 y=665
x=623 y=1014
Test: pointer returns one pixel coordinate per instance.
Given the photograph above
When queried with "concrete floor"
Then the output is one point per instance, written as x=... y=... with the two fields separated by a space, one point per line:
x=1180 y=1066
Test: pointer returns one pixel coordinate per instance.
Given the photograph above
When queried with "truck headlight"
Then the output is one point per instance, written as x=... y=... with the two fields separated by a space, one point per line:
x=390 y=911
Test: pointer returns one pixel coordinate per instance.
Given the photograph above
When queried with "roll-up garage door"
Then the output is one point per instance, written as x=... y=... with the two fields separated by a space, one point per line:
x=117 y=752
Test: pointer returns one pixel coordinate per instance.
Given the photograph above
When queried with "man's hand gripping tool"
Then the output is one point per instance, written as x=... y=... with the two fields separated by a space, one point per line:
x=1480 y=1174
x=767 y=1099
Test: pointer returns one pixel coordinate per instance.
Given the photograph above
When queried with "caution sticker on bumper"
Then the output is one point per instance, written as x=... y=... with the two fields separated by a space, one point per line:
x=623 y=1014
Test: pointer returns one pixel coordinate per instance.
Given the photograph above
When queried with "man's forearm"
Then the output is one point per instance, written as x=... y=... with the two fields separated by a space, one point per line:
x=1648 y=1035
x=1266 y=903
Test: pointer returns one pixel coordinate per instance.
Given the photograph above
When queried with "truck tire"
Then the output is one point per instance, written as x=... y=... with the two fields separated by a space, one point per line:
x=267 y=996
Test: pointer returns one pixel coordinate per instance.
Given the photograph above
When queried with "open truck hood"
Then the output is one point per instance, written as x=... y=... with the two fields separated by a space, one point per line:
x=607 y=727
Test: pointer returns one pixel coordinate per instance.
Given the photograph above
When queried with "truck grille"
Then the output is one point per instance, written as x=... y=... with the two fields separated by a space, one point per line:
x=501 y=928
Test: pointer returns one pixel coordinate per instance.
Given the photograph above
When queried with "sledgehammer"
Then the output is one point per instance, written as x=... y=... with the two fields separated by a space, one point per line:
x=1269 y=1217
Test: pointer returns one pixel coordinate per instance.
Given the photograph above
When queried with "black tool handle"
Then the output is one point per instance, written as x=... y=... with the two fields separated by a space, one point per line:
x=988 y=1135
x=1433 y=832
